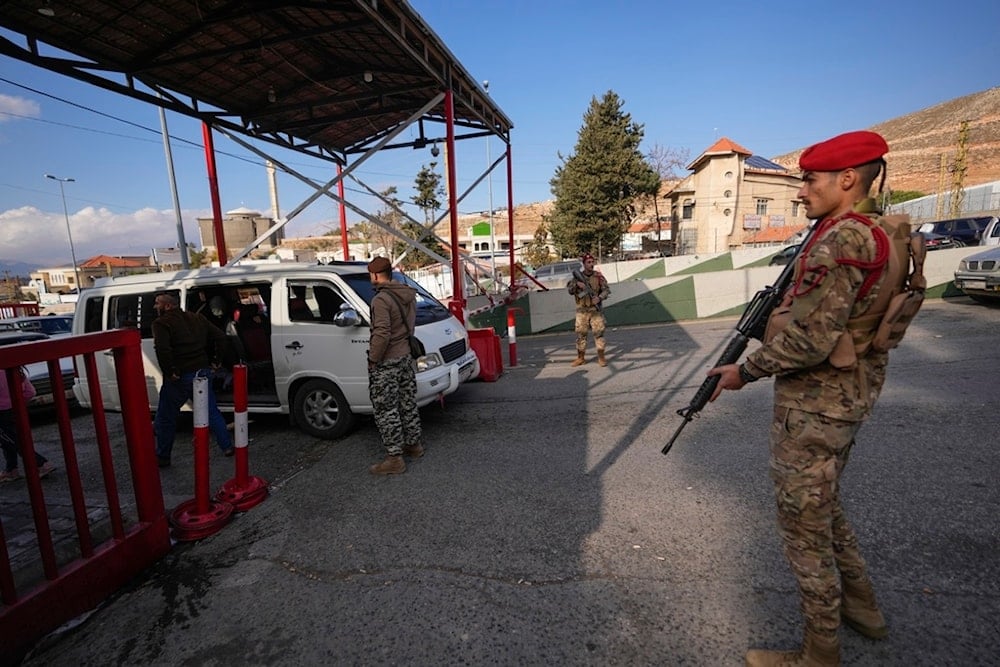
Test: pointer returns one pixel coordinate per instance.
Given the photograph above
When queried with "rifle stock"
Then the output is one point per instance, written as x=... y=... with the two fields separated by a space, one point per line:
x=752 y=324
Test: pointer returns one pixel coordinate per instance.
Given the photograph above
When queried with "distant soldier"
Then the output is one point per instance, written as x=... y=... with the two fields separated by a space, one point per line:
x=590 y=289
x=819 y=401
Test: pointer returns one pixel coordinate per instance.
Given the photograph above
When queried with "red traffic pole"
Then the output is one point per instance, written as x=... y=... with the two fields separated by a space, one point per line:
x=243 y=491
x=512 y=335
x=201 y=516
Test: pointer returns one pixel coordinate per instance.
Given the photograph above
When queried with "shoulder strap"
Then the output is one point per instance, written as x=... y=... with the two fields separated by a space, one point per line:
x=402 y=313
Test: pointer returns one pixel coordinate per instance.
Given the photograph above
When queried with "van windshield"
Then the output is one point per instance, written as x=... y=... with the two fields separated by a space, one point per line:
x=429 y=309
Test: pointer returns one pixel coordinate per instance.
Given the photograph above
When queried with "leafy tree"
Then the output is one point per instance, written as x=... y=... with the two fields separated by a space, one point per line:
x=898 y=197
x=429 y=190
x=596 y=187
x=536 y=251
x=666 y=162
x=391 y=216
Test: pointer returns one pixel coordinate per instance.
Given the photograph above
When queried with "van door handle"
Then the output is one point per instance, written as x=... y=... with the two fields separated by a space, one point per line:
x=294 y=345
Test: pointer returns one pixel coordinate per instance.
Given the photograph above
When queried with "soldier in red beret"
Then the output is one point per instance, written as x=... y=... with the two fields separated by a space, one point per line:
x=589 y=289
x=819 y=401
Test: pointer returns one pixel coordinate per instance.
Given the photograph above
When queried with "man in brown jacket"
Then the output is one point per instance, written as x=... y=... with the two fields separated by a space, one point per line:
x=392 y=379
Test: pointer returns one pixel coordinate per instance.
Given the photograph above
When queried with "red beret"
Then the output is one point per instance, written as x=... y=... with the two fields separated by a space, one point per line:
x=843 y=151
x=379 y=265
x=585 y=256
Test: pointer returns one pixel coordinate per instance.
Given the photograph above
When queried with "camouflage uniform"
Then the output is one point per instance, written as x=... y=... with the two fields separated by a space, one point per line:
x=588 y=315
x=392 y=385
x=818 y=410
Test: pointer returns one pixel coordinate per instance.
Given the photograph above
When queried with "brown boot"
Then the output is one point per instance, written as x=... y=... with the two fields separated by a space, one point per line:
x=392 y=465
x=414 y=451
x=579 y=361
x=815 y=652
x=859 y=610
x=601 y=361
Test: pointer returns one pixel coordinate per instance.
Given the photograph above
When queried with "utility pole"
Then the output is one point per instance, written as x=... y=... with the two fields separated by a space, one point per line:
x=958 y=170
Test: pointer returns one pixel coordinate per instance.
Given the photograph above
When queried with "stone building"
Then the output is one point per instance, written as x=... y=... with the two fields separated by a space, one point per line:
x=240 y=227
x=733 y=199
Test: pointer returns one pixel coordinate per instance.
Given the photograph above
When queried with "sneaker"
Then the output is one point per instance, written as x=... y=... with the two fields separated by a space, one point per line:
x=45 y=469
x=9 y=475
x=163 y=461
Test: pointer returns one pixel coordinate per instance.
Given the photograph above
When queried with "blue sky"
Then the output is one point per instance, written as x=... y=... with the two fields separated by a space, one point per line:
x=772 y=76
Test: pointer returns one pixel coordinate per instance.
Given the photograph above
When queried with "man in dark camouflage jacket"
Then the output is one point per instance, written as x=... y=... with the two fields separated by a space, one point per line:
x=818 y=408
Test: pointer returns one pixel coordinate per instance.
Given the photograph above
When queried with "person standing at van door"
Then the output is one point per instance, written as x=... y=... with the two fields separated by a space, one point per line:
x=187 y=345
x=590 y=296
x=392 y=378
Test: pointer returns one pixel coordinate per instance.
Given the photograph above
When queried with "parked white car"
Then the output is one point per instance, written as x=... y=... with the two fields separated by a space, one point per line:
x=978 y=276
x=38 y=372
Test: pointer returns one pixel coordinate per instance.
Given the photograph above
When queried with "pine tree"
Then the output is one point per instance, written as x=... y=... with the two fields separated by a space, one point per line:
x=429 y=189
x=595 y=188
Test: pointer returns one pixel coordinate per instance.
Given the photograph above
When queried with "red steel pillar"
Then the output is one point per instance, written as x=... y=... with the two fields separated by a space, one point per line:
x=213 y=187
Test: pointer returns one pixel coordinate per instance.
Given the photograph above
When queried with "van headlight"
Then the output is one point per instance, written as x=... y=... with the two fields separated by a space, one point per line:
x=429 y=361
x=963 y=265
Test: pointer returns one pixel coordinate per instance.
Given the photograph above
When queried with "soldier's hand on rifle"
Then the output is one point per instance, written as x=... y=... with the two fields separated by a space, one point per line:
x=581 y=286
x=729 y=378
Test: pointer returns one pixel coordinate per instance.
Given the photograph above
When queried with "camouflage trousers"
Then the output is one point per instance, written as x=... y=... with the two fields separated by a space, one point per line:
x=808 y=455
x=589 y=319
x=392 y=386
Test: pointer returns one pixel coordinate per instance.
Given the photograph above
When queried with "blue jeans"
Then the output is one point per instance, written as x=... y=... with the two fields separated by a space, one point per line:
x=173 y=395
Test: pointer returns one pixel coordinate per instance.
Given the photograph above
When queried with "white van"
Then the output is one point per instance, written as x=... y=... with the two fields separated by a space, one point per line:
x=301 y=329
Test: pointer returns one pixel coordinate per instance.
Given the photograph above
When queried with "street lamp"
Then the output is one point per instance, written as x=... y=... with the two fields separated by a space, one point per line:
x=69 y=232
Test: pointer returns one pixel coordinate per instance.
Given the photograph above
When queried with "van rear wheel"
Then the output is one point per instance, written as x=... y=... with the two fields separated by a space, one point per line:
x=321 y=410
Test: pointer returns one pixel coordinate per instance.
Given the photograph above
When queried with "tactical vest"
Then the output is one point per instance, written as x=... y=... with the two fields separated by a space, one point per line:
x=897 y=271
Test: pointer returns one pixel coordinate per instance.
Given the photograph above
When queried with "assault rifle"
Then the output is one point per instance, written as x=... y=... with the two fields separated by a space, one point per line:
x=751 y=325
x=578 y=276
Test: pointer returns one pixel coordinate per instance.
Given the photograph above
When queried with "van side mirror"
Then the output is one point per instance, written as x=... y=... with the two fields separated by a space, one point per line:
x=347 y=317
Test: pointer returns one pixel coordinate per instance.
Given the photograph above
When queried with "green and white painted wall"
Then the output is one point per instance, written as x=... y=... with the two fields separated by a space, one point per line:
x=674 y=289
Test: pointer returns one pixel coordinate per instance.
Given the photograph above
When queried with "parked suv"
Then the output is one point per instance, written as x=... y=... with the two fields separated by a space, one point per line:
x=557 y=275
x=978 y=275
x=961 y=231
x=991 y=235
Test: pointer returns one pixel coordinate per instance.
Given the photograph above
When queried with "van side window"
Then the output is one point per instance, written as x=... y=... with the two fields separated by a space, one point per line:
x=313 y=302
x=135 y=311
x=92 y=310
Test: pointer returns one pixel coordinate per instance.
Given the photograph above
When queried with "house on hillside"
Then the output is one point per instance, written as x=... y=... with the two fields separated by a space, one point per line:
x=61 y=279
x=733 y=199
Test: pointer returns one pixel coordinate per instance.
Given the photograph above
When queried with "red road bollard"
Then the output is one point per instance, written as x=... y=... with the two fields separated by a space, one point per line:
x=201 y=516
x=512 y=335
x=243 y=491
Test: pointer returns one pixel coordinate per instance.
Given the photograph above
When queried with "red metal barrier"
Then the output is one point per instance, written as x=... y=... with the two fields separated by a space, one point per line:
x=76 y=583
x=18 y=309
x=243 y=491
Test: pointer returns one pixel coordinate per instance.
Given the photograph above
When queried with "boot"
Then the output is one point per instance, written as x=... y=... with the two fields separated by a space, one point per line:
x=414 y=451
x=816 y=651
x=601 y=361
x=579 y=361
x=859 y=610
x=392 y=465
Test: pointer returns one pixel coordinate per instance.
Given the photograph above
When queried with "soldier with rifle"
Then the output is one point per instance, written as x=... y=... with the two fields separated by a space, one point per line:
x=820 y=400
x=590 y=289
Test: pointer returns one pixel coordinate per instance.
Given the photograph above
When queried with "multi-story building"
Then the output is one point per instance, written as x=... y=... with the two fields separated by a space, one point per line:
x=732 y=199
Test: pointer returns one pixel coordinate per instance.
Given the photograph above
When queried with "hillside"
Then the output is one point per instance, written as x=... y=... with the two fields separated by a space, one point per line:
x=918 y=140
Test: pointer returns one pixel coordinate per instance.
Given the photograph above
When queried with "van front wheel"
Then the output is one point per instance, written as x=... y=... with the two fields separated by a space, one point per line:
x=321 y=410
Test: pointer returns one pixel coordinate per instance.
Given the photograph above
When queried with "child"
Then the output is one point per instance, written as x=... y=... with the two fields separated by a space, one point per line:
x=8 y=430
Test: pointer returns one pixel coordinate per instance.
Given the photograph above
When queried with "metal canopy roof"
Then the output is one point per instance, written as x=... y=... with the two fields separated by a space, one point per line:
x=329 y=78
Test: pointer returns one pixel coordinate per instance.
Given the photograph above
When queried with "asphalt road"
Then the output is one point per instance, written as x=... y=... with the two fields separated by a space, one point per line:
x=544 y=526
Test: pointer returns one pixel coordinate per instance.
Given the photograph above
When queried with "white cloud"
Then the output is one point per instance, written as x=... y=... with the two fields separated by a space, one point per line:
x=13 y=107
x=30 y=235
